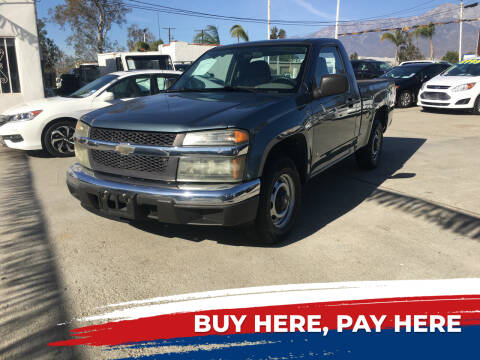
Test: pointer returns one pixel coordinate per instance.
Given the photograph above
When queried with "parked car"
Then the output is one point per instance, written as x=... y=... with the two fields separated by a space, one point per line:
x=456 y=88
x=370 y=69
x=409 y=78
x=234 y=139
x=49 y=123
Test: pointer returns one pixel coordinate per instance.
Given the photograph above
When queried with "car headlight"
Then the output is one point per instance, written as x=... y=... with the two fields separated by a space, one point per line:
x=463 y=87
x=216 y=138
x=25 y=116
x=211 y=169
x=423 y=86
x=81 y=151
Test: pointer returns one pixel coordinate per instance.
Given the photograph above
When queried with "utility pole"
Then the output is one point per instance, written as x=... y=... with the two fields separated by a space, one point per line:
x=268 y=19
x=202 y=32
x=461 y=32
x=169 y=37
x=144 y=35
x=336 y=22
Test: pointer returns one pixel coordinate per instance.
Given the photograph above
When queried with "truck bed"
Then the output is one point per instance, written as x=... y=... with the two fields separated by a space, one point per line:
x=369 y=88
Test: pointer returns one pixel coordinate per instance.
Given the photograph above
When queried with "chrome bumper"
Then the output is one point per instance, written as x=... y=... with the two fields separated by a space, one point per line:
x=195 y=195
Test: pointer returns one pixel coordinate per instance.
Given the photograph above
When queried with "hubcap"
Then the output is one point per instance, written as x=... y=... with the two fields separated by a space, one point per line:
x=376 y=143
x=406 y=99
x=282 y=201
x=61 y=139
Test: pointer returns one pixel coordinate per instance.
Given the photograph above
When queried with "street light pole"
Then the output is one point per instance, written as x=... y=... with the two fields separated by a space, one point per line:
x=268 y=19
x=461 y=32
x=336 y=22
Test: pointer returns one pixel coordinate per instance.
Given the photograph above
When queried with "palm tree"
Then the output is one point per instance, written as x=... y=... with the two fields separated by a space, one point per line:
x=427 y=32
x=237 y=32
x=275 y=33
x=209 y=35
x=397 y=38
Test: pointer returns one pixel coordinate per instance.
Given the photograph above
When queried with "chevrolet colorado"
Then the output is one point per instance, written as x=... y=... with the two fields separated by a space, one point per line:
x=234 y=139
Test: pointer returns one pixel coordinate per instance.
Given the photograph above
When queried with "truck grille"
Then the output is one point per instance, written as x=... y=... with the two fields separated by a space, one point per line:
x=431 y=95
x=137 y=163
x=151 y=138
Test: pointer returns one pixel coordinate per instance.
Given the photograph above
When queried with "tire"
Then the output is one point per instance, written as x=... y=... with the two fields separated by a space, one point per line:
x=476 y=107
x=405 y=99
x=279 y=203
x=369 y=156
x=58 y=138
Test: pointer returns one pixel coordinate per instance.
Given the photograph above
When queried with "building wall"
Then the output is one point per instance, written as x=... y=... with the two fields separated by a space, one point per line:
x=181 y=51
x=18 y=20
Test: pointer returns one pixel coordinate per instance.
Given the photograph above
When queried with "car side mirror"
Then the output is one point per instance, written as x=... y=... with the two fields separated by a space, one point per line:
x=169 y=82
x=106 y=96
x=331 y=85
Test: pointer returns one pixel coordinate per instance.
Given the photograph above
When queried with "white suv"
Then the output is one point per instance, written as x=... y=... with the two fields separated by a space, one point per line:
x=49 y=123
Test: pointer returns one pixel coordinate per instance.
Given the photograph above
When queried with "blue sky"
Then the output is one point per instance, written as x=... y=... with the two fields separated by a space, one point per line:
x=316 y=10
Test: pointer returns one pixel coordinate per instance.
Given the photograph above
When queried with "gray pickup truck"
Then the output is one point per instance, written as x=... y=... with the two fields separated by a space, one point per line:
x=234 y=138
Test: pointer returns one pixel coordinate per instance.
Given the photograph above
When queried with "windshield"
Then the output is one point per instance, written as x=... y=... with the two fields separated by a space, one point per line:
x=246 y=68
x=464 y=68
x=402 y=72
x=144 y=62
x=94 y=86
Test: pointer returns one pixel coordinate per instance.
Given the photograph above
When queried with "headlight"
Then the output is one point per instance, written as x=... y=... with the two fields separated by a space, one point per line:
x=25 y=116
x=216 y=138
x=423 y=86
x=463 y=87
x=211 y=169
x=81 y=151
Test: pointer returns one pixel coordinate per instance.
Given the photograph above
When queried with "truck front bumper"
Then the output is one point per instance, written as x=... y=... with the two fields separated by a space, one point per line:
x=219 y=204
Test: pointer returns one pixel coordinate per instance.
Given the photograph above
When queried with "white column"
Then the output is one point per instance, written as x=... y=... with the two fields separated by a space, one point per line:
x=268 y=20
x=461 y=32
x=336 y=22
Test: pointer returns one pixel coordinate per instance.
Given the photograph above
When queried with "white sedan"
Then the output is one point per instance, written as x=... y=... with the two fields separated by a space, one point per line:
x=49 y=123
x=458 y=87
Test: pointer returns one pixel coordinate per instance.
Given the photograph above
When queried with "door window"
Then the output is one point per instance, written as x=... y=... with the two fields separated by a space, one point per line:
x=328 y=62
x=131 y=87
x=162 y=81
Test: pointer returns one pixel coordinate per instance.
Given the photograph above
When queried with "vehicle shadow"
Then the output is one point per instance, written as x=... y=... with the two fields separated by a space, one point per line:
x=31 y=298
x=334 y=193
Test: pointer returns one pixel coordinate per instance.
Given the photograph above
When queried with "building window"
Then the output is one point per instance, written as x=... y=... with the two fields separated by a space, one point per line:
x=9 y=79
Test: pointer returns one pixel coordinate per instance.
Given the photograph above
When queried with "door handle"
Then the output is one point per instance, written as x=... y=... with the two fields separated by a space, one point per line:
x=350 y=102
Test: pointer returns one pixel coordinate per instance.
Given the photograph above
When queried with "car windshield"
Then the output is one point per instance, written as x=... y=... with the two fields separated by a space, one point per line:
x=402 y=72
x=464 y=68
x=246 y=68
x=94 y=86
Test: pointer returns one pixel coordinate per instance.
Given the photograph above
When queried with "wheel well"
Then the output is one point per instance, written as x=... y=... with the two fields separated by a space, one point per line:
x=53 y=122
x=294 y=147
x=382 y=115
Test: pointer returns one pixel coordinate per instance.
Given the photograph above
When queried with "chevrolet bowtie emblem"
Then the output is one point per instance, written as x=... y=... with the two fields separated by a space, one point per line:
x=124 y=149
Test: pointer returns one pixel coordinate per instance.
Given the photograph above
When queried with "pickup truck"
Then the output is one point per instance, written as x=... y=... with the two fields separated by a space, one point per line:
x=234 y=139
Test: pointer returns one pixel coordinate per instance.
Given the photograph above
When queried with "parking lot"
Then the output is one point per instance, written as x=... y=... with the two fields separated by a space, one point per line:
x=415 y=217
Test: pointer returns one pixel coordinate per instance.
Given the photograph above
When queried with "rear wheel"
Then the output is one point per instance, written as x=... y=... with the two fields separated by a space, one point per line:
x=405 y=100
x=279 y=203
x=369 y=156
x=58 y=138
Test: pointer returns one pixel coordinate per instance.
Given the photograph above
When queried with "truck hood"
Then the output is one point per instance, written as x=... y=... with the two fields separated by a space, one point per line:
x=45 y=104
x=453 y=81
x=180 y=112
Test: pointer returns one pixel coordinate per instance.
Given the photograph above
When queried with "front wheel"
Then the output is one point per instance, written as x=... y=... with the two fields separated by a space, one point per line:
x=58 y=138
x=476 y=107
x=279 y=203
x=405 y=100
x=368 y=157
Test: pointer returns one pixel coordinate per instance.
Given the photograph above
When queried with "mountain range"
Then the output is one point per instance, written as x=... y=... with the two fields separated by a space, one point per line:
x=446 y=37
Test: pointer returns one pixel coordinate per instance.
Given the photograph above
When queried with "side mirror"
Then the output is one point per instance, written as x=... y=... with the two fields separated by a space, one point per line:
x=106 y=96
x=331 y=85
x=169 y=82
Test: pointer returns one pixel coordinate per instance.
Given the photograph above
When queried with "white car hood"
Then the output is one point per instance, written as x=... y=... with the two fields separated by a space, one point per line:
x=47 y=104
x=453 y=80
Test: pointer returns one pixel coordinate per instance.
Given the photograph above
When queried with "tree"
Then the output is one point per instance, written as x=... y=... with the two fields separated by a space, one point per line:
x=236 y=31
x=51 y=54
x=354 y=56
x=398 y=38
x=451 y=57
x=141 y=46
x=409 y=51
x=209 y=35
x=135 y=34
x=154 y=44
x=90 y=21
x=427 y=32
x=277 y=34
